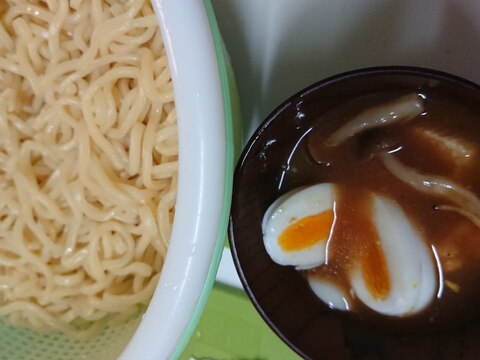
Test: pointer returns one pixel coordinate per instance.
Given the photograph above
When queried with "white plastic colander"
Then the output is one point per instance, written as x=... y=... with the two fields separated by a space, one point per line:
x=202 y=87
x=23 y=344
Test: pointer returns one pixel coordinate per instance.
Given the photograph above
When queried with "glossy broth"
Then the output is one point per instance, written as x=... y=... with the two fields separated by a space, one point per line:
x=357 y=170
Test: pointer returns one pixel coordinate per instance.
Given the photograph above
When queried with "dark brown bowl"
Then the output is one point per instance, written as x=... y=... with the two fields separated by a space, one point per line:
x=280 y=294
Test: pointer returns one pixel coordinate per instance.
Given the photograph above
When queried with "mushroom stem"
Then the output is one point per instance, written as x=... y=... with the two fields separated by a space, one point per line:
x=465 y=202
x=404 y=108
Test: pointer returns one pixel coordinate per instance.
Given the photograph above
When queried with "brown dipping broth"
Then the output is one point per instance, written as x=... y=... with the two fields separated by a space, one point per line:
x=279 y=159
x=356 y=166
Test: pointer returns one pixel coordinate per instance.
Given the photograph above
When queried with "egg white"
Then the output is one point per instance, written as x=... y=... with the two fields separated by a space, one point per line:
x=329 y=293
x=292 y=207
x=410 y=264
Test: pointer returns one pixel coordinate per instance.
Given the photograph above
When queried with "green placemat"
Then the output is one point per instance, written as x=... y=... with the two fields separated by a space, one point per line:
x=231 y=329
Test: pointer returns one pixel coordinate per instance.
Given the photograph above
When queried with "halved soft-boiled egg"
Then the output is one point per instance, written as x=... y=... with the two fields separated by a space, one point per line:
x=296 y=226
x=411 y=273
x=398 y=277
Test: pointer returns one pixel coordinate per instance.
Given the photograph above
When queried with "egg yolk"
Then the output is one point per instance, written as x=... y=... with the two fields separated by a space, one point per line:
x=307 y=231
x=375 y=272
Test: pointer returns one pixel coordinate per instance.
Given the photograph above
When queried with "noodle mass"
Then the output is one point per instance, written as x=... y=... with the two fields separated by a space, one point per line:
x=88 y=160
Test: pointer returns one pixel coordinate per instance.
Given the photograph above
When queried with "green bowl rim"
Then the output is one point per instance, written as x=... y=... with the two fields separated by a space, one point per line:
x=226 y=83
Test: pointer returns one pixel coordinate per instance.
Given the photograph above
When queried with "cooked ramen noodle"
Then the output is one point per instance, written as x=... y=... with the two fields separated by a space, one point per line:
x=88 y=160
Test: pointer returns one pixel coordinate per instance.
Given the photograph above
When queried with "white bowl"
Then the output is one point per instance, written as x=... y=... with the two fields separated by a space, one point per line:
x=202 y=86
x=206 y=155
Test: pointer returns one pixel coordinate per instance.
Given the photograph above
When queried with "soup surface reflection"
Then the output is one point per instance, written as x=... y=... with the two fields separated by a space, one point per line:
x=426 y=165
